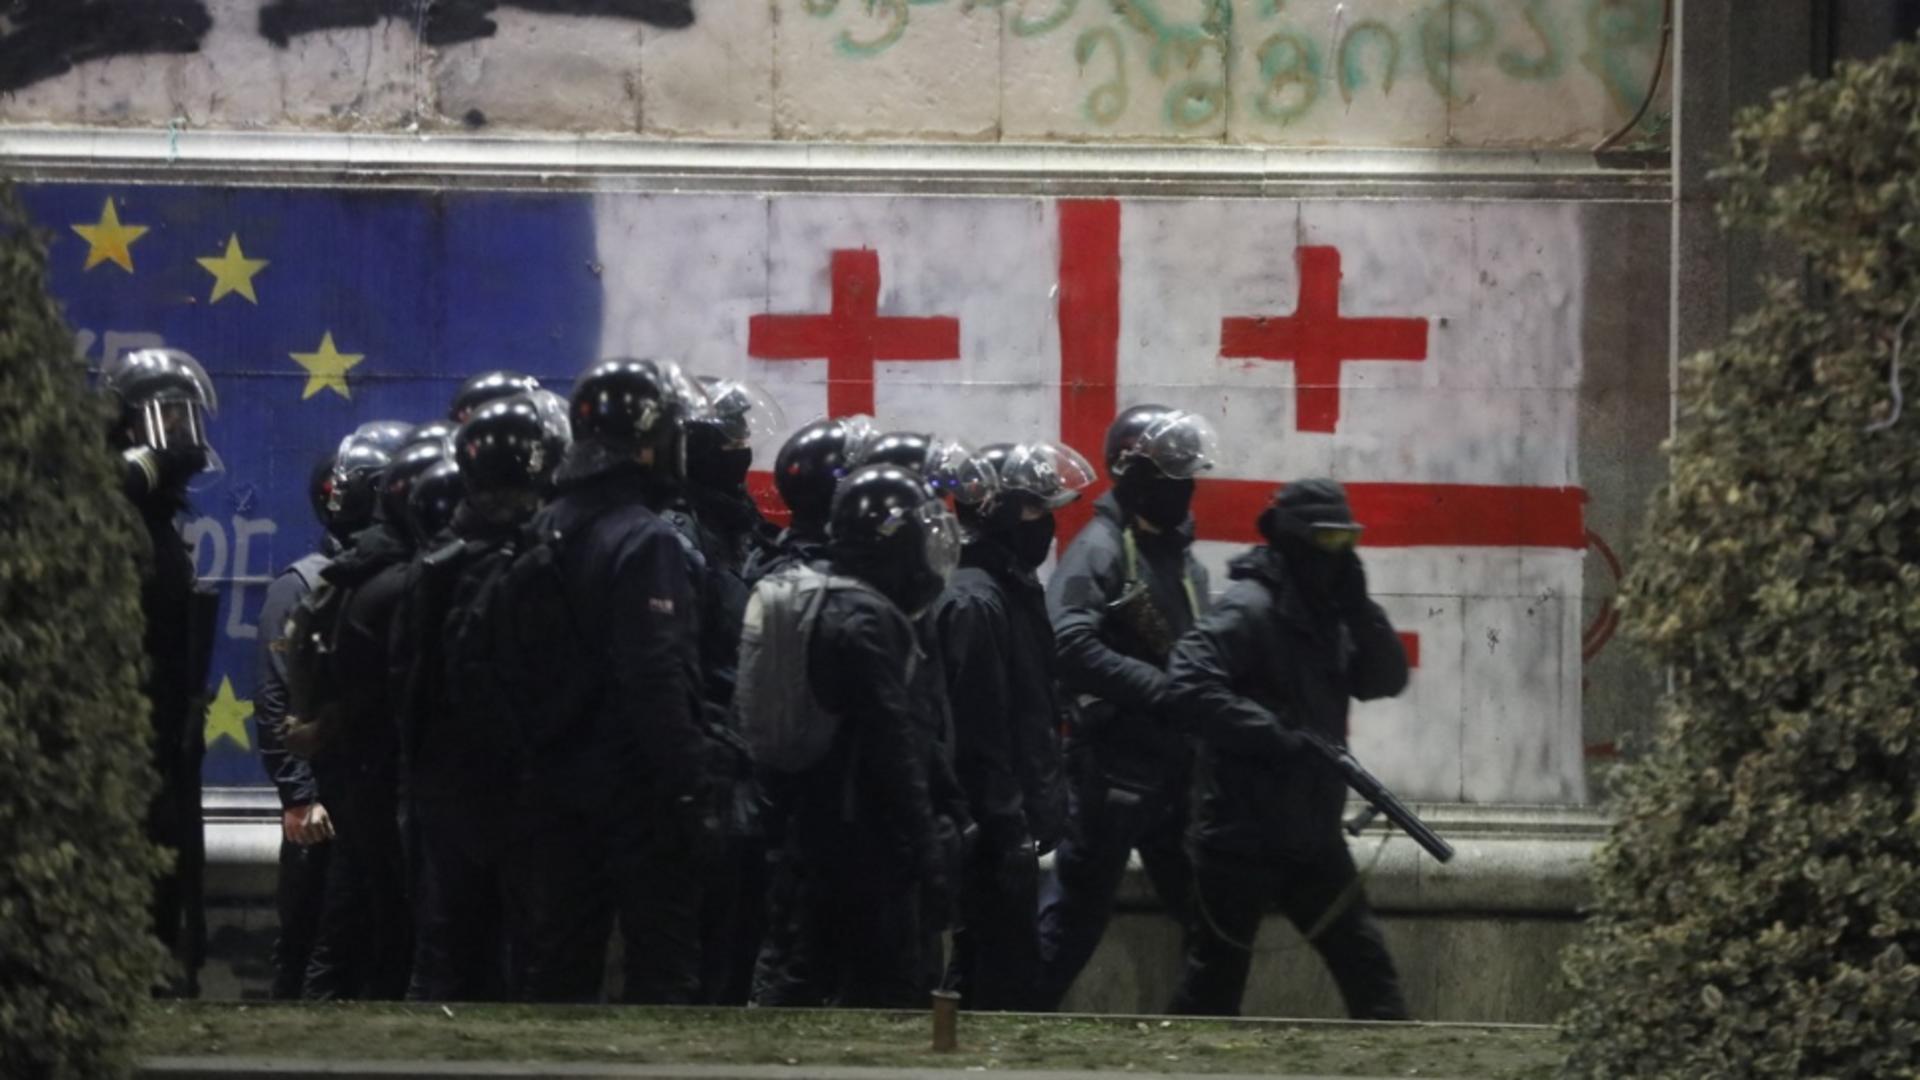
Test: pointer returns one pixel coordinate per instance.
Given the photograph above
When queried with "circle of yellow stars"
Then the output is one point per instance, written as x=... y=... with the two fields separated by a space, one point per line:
x=110 y=240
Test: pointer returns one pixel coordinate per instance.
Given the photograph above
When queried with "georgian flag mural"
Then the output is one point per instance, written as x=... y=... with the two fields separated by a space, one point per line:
x=1426 y=354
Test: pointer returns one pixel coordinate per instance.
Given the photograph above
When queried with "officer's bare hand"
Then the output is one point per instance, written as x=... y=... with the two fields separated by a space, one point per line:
x=306 y=825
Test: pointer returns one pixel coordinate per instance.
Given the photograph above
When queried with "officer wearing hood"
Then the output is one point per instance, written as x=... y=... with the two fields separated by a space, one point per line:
x=1124 y=592
x=1293 y=641
x=164 y=398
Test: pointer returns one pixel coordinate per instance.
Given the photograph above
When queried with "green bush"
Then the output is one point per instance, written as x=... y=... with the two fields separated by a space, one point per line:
x=77 y=950
x=1758 y=904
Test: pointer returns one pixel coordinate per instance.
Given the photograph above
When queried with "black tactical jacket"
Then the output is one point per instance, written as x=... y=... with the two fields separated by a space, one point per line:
x=1101 y=655
x=1259 y=664
x=997 y=648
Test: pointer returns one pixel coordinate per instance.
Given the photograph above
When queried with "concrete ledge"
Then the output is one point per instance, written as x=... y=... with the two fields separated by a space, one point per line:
x=603 y=163
x=229 y=1068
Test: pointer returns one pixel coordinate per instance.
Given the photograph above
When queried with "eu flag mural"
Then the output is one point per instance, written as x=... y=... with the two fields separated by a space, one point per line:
x=313 y=311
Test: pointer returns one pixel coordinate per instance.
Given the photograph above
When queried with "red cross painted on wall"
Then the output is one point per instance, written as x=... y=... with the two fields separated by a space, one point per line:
x=1318 y=339
x=852 y=336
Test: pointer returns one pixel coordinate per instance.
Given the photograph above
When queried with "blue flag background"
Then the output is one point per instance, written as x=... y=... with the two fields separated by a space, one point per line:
x=426 y=287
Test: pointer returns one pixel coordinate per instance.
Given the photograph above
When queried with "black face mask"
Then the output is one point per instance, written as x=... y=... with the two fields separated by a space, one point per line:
x=1031 y=541
x=1318 y=574
x=721 y=470
x=1160 y=501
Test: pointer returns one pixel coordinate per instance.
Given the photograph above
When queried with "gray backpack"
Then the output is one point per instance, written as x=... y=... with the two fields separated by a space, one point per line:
x=786 y=727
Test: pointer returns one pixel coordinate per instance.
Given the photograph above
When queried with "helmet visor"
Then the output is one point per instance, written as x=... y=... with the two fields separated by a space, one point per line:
x=940 y=531
x=1181 y=445
x=745 y=413
x=1049 y=472
x=682 y=390
x=955 y=472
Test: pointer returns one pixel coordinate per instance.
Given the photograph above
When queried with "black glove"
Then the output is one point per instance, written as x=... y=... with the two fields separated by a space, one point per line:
x=1350 y=594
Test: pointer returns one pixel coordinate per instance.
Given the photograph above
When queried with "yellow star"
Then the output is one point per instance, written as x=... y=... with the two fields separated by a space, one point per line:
x=227 y=717
x=233 y=272
x=327 y=368
x=109 y=241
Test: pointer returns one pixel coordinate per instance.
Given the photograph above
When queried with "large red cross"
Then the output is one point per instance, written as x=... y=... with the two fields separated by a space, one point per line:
x=853 y=336
x=1318 y=339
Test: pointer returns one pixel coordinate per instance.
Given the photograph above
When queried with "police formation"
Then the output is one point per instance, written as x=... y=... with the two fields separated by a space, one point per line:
x=554 y=693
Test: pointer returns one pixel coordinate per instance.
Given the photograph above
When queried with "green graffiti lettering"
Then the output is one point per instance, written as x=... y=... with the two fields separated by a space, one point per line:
x=896 y=11
x=1025 y=27
x=1107 y=101
x=1193 y=102
x=1290 y=77
x=1620 y=34
x=1548 y=64
x=820 y=8
x=1351 y=75
x=1450 y=32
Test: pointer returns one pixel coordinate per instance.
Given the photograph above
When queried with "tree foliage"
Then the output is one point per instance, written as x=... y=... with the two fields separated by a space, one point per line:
x=1758 y=904
x=77 y=950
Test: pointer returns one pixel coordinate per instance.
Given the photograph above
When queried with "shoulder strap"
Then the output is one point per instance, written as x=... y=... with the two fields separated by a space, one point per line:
x=1132 y=548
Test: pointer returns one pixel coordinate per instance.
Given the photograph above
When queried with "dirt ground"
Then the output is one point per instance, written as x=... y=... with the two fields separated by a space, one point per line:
x=757 y=1036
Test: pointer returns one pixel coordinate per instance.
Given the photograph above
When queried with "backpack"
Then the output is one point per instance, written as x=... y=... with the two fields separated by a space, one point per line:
x=782 y=720
x=478 y=683
x=314 y=719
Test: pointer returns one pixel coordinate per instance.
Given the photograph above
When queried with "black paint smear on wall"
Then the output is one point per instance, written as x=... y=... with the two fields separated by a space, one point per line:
x=449 y=22
x=45 y=38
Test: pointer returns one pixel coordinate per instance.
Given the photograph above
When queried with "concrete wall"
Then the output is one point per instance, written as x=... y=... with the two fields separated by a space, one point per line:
x=1417 y=73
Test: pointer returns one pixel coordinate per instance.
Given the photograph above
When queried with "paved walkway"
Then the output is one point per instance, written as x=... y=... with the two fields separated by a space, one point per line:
x=223 y=1068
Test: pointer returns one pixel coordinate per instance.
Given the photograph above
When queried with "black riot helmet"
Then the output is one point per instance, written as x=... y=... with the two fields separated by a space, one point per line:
x=487 y=386
x=720 y=445
x=165 y=399
x=812 y=462
x=435 y=495
x=889 y=528
x=353 y=489
x=949 y=466
x=1175 y=443
x=434 y=429
x=398 y=478
x=1038 y=475
x=627 y=412
x=512 y=444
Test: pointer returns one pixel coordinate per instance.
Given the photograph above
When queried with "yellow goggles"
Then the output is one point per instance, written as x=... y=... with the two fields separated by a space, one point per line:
x=1336 y=540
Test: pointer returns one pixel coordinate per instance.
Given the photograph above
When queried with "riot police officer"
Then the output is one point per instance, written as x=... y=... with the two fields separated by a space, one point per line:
x=717 y=516
x=808 y=468
x=306 y=829
x=340 y=964
x=164 y=399
x=860 y=826
x=1294 y=640
x=459 y=768
x=616 y=812
x=1125 y=590
x=997 y=650
x=954 y=473
x=358 y=771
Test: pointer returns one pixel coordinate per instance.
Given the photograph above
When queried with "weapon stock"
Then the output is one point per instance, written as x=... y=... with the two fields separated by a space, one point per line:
x=1379 y=797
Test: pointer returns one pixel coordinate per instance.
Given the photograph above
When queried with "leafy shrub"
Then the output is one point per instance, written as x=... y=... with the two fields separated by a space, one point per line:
x=1758 y=904
x=77 y=950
